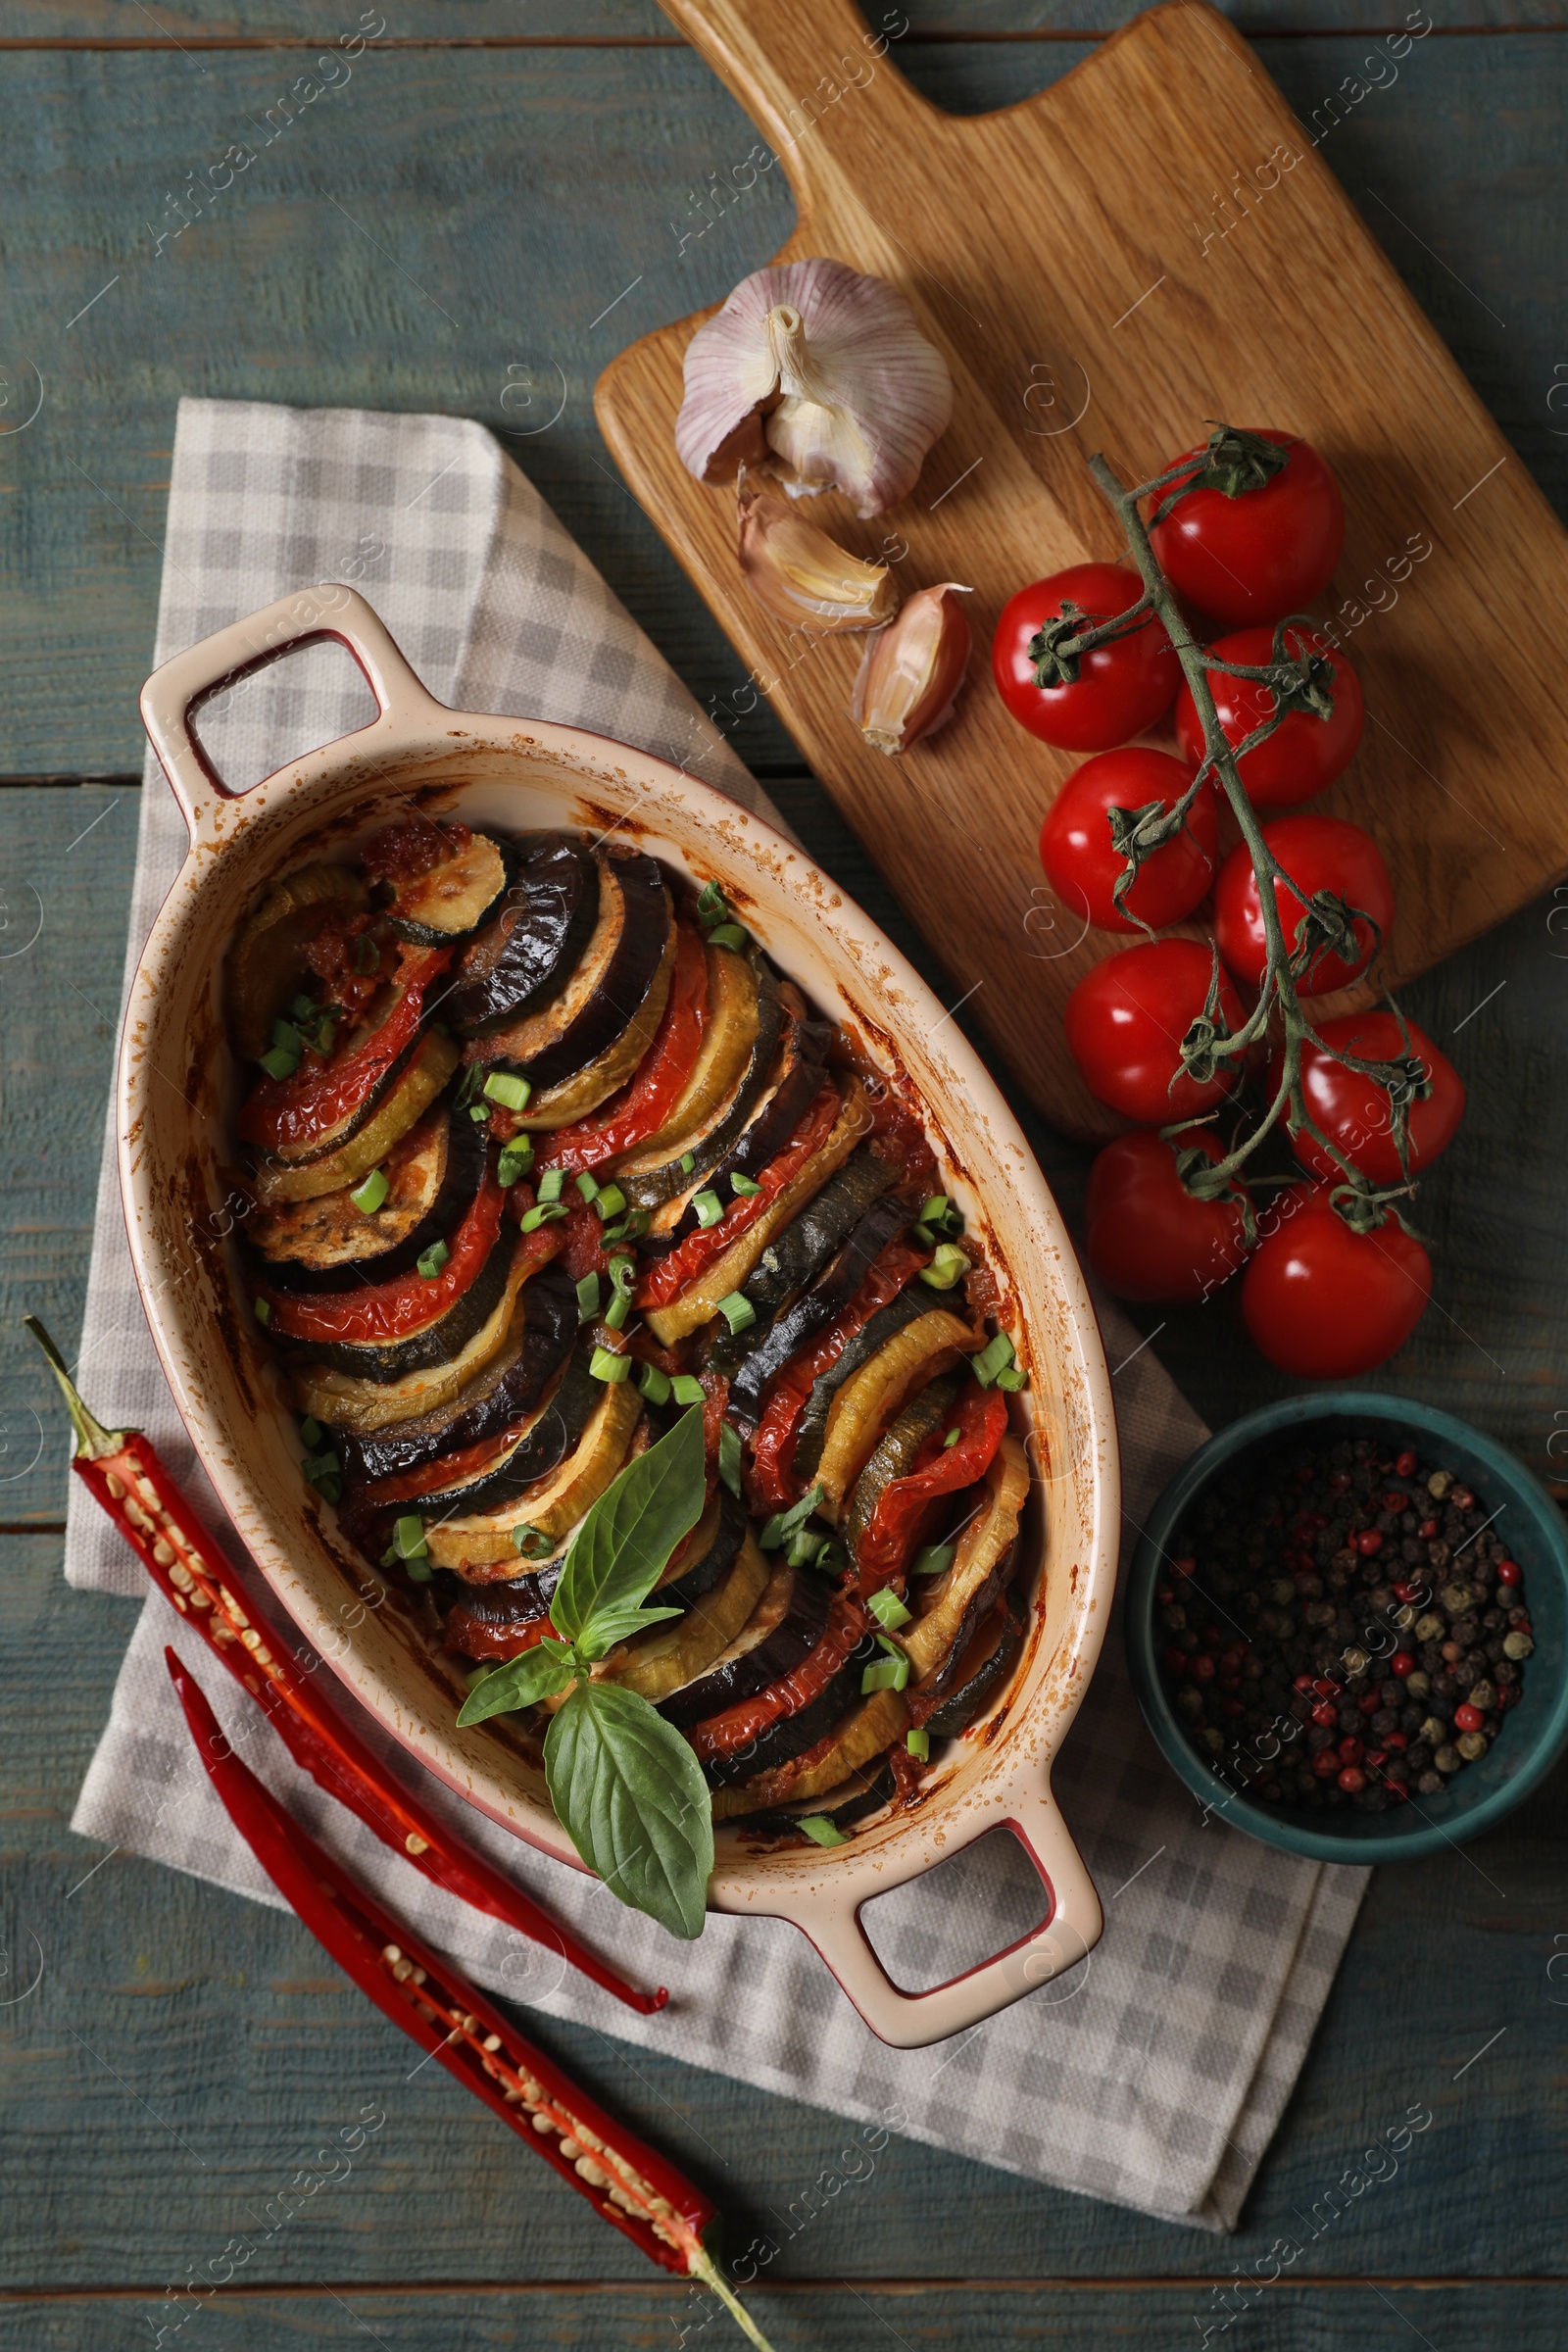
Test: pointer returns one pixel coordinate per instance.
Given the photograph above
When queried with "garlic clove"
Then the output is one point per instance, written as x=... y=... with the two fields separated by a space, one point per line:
x=801 y=574
x=912 y=671
x=830 y=369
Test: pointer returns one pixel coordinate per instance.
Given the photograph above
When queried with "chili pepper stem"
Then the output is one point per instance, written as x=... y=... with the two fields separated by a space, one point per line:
x=705 y=2268
x=93 y=1440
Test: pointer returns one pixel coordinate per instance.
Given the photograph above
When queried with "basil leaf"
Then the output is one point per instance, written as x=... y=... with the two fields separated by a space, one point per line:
x=619 y=1625
x=522 y=1681
x=634 y=1803
x=620 y=1551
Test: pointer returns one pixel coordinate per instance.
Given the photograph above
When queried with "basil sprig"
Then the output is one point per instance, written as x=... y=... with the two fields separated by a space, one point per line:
x=624 y=1783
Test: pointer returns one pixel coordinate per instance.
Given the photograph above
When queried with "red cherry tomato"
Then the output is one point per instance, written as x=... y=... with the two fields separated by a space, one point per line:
x=1327 y=1303
x=1356 y=1112
x=1266 y=551
x=1125 y=1022
x=1305 y=752
x=1121 y=688
x=1318 y=852
x=1081 y=865
x=1147 y=1237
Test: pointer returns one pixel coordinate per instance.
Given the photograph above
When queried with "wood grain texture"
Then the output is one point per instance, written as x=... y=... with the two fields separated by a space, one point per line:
x=1153 y=304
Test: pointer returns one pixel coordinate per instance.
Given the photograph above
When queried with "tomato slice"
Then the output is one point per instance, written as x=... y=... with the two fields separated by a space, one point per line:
x=670 y=1276
x=774 y=1478
x=473 y=1640
x=288 y=1114
x=648 y=1096
x=894 y=1525
x=738 y=1726
x=392 y=1310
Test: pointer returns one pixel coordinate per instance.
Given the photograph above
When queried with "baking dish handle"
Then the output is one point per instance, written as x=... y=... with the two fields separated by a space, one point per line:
x=832 y=1918
x=176 y=691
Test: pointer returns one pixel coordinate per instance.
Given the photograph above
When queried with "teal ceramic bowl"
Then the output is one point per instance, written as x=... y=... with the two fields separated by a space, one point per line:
x=1534 y=1733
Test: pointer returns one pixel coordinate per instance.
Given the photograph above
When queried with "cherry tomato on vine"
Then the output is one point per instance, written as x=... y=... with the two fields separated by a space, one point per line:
x=1323 y=1301
x=1147 y=1237
x=1254 y=539
x=1082 y=864
x=1318 y=852
x=1306 y=750
x=1121 y=688
x=1356 y=1113
x=1125 y=1022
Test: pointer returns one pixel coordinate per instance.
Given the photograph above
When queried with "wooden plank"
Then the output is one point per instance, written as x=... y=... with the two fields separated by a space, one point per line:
x=537 y=228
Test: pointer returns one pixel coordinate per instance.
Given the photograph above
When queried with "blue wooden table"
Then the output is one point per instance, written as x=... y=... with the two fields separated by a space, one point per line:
x=458 y=213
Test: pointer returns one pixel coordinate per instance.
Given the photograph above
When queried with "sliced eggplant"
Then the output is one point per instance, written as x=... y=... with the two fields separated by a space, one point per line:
x=494 y=1621
x=266 y=968
x=433 y=1174
x=451 y=900
x=539 y=1336
x=862 y=1734
x=793 y=1086
x=871 y=1400
x=412 y=1093
x=895 y=1453
x=658 y=1172
x=606 y=990
x=663 y=1662
x=852 y=1802
x=700 y=1300
x=363 y=1407
x=478 y=1540
x=958 y=1599
x=982 y=1667
x=697 y=1565
x=575 y=1098
x=436 y=1342
x=807 y=1244
x=530 y=952
x=555 y=1431
x=729 y=1034
x=912 y=1301
x=795 y=1726
x=784 y=1628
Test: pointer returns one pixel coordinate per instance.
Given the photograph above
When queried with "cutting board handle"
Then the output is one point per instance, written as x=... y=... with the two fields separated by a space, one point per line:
x=819 y=81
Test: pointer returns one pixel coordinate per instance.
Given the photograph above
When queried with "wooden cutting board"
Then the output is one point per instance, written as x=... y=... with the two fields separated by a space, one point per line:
x=1105 y=266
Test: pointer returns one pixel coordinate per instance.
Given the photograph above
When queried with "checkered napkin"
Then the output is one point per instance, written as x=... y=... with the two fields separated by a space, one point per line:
x=1156 y=2071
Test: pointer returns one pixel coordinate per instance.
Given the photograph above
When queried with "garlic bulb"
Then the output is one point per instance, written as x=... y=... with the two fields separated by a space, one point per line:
x=819 y=375
x=912 y=671
x=802 y=575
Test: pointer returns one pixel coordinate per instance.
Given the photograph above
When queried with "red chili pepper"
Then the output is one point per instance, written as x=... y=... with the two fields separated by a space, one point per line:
x=121 y=1468
x=773 y=1482
x=737 y=1726
x=280 y=1114
x=391 y=1310
x=894 y=1528
x=644 y=1103
x=629 y=2183
x=671 y=1274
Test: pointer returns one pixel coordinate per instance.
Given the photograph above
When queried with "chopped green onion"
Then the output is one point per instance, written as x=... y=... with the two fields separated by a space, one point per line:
x=278 y=1065
x=478 y=1112
x=729 y=1455
x=784 y=1523
x=323 y=1472
x=606 y=1364
x=303 y=1008
x=310 y=1433
x=738 y=1311
x=263 y=1311
x=947 y=1268
x=741 y=1184
x=618 y=1310
x=992 y=1359
x=417 y=1571
x=287 y=1038
x=368 y=1194
x=326 y=1031
x=951 y=1440
x=587 y=1297
x=654 y=1384
x=821 y=1830
x=941 y=1215
x=1012 y=1378
x=888 y=1609
x=727 y=935
x=543 y=1212
x=532 y=1542
x=628 y=1227
x=831 y=1558
x=516 y=1157
x=688 y=1161
x=803 y=1547
x=408 y=1538
x=367 y=955
x=710 y=1208
x=711 y=905
x=481 y=1674
x=608 y=1200
x=623 y=1273
x=507 y=1089
x=687 y=1389
x=933 y=1560
x=588 y=1186
x=888 y=1673
x=918 y=1743
x=551 y=1183
x=430 y=1261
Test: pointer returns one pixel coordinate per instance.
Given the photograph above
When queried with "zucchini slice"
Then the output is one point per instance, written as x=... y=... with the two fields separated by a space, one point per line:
x=982 y=1548
x=785 y=1626
x=790 y=1261
x=867 y=1401
x=530 y=952
x=911 y=1302
x=797 y=1727
x=557 y=1428
x=481 y=1539
x=365 y=1406
x=865 y=1734
x=754 y=1017
x=700 y=1300
x=433 y=1060
x=729 y=1033
x=327 y=1244
x=792 y=1087
x=696 y=1565
x=265 y=967
x=607 y=988
x=894 y=1455
x=663 y=1662
x=981 y=1667
x=450 y=901
x=575 y=1098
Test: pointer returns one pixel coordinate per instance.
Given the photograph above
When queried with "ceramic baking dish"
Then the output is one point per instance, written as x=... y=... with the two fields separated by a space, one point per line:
x=176 y=1088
